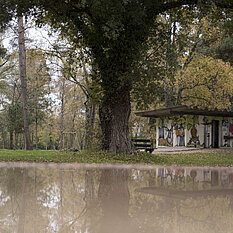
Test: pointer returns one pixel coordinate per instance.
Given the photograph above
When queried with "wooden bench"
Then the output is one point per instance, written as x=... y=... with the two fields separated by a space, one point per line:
x=144 y=144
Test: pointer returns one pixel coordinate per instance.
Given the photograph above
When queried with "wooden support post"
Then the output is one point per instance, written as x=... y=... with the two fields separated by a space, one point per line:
x=157 y=137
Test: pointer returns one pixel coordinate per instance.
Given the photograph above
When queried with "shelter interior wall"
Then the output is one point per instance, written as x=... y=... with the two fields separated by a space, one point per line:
x=223 y=131
x=226 y=132
x=200 y=130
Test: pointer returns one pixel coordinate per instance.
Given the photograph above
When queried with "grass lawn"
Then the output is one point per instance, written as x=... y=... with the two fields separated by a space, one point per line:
x=190 y=159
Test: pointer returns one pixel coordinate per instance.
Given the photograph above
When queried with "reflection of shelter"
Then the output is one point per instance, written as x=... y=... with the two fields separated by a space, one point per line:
x=187 y=126
x=185 y=194
x=175 y=183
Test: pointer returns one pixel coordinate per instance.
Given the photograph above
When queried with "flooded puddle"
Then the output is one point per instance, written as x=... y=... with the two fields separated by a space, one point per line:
x=115 y=199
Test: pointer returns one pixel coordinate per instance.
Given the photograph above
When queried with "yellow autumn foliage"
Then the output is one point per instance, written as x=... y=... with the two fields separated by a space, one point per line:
x=205 y=82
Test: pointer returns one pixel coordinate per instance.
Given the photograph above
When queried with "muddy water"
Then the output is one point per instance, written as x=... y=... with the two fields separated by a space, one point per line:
x=37 y=198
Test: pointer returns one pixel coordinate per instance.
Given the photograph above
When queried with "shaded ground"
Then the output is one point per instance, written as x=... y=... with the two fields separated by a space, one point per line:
x=193 y=150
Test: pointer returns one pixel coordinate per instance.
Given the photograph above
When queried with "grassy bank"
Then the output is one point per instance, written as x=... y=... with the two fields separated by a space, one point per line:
x=191 y=159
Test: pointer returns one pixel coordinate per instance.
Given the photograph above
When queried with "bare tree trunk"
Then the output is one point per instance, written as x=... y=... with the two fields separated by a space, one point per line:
x=23 y=78
x=11 y=140
x=21 y=141
x=114 y=117
x=12 y=104
x=16 y=140
x=90 y=123
x=90 y=111
x=37 y=87
x=36 y=132
x=61 y=141
x=168 y=89
x=74 y=114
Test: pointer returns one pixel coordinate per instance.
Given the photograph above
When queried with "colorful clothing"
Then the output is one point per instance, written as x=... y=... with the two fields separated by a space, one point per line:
x=231 y=128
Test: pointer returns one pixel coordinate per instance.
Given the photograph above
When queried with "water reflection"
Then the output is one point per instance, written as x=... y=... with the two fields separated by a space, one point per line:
x=103 y=200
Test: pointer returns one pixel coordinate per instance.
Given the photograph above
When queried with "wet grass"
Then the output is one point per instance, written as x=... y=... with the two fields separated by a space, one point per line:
x=195 y=159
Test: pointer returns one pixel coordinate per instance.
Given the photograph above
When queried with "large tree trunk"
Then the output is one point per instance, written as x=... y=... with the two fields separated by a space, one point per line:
x=114 y=117
x=23 y=78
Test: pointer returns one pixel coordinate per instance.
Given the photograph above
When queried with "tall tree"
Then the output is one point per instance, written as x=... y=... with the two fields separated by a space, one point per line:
x=38 y=88
x=23 y=78
x=74 y=65
x=218 y=42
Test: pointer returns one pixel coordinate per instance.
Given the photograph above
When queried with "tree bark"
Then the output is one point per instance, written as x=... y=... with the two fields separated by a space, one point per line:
x=11 y=140
x=4 y=139
x=23 y=78
x=16 y=141
x=61 y=140
x=36 y=121
x=114 y=118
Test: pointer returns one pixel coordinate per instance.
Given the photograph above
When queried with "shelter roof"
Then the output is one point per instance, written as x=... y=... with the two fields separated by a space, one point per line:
x=185 y=110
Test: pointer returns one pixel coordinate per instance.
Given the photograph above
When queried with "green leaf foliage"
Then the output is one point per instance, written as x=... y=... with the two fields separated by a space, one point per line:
x=15 y=117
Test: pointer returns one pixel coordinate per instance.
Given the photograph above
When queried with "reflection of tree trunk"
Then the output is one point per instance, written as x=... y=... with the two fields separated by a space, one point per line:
x=114 y=199
x=89 y=200
x=22 y=205
x=35 y=201
x=22 y=62
x=89 y=187
x=214 y=178
x=61 y=197
x=152 y=178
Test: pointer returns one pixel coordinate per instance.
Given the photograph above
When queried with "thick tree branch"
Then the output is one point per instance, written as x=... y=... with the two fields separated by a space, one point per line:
x=168 y=5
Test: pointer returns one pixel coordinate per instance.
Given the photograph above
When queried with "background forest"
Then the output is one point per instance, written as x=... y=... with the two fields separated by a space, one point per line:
x=187 y=59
